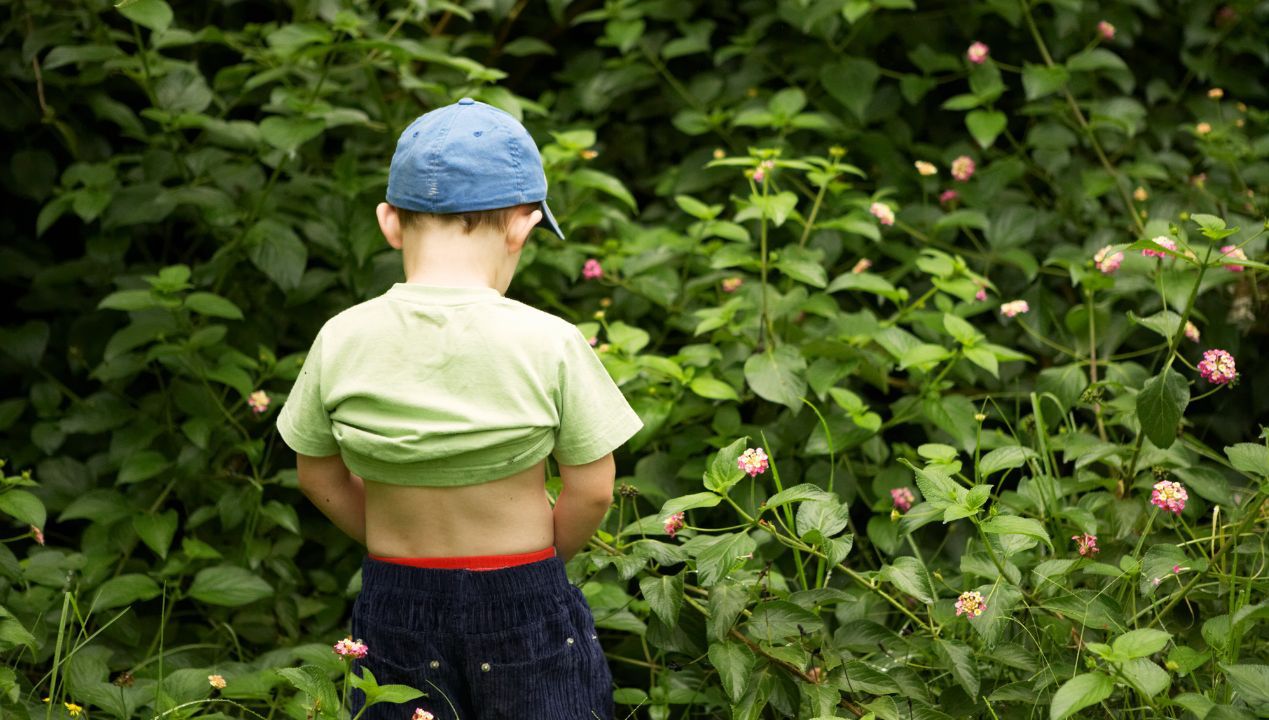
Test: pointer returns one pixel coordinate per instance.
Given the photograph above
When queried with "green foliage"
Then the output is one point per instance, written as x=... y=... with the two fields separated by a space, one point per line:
x=194 y=188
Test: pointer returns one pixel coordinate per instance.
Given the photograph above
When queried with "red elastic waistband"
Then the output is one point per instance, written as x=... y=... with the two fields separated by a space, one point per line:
x=471 y=562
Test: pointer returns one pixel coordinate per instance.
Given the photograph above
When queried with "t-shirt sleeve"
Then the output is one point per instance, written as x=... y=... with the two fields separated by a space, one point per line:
x=303 y=421
x=595 y=418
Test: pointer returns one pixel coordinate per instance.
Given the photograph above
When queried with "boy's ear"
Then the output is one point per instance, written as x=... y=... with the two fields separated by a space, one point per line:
x=389 y=224
x=522 y=223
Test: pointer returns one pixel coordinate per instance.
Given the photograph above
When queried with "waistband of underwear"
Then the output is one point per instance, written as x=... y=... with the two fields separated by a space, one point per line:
x=471 y=562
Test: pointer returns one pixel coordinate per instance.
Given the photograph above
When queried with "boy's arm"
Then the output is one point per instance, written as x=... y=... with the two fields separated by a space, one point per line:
x=340 y=495
x=582 y=503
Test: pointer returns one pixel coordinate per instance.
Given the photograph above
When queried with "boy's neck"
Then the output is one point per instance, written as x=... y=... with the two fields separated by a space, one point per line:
x=453 y=259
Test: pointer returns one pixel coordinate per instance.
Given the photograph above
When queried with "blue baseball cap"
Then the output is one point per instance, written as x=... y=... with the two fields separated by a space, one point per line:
x=465 y=157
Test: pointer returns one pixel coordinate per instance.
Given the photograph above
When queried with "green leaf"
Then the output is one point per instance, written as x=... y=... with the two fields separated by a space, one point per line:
x=690 y=502
x=1078 y=693
x=985 y=125
x=1251 y=458
x=141 y=466
x=960 y=329
x=23 y=507
x=909 y=575
x=315 y=683
x=288 y=133
x=1164 y=322
x=805 y=491
x=725 y=553
x=724 y=470
x=726 y=600
x=851 y=83
x=229 y=586
x=1004 y=458
x=153 y=14
x=278 y=252
x=1250 y=681
x=129 y=300
x=156 y=531
x=696 y=208
x=1161 y=405
x=712 y=388
x=125 y=590
x=1014 y=525
x=1041 y=80
x=825 y=517
x=1146 y=676
x=734 y=662
x=778 y=375
x=206 y=303
x=1141 y=643
x=595 y=180
x=664 y=595
x=778 y=619
x=960 y=658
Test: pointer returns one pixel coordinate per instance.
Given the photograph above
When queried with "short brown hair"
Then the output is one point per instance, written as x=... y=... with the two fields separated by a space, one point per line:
x=498 y=219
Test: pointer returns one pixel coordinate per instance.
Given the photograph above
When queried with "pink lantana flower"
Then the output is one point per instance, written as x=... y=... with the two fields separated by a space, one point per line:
x=1162 y=241
x=861 y=266
x=1107 y=260
x=1217 y=367
x=259 y=401
x=216 y=681
x=971 y=604
x=1106 y=30
x=674 y=523
x=963 y=168
x=1170 y=496
x=732 y=284
x=947 y=197
x=350 y=648
x=1015 y=308
x=981 y=295
x=591 y=269
x=1087 y=544
x=421 y=714
x=926 y=168
x=903 y=498
x=38 y=534
x=1234 y=253
x=977 y=53
x=753 y=461
x=882 y=212
x=1191 y=331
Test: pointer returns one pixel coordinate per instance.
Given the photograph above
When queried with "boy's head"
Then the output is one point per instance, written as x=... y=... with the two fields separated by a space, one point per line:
x=469 y=163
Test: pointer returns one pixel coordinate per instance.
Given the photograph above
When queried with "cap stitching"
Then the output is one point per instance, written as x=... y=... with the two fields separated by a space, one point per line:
x=433 y=161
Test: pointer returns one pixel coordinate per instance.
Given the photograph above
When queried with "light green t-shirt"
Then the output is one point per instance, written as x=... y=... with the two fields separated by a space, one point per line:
x=440 y=386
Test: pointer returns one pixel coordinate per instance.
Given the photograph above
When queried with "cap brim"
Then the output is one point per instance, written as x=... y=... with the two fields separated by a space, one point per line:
x=548 y=221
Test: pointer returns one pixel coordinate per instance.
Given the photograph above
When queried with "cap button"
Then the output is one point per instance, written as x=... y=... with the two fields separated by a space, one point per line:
x=466 y=101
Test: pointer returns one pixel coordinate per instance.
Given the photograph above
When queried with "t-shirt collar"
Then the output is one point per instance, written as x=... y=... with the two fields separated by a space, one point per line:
x=441 y=294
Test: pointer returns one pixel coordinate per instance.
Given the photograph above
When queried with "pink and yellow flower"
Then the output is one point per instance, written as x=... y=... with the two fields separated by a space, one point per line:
x=350 y=648
x=591 y=269
x=753 y=461
x=1015 y=308
x=947 y=197
x=971 y=604
x=732 y=284
x=882 y=212
x=1170 y=496
x=925 y=168
x=421 y=714
x=38 y=534
x=1216 y=93
x=1217 y=367
x=861 y=266
x=977 y=53
x=259 y=401
x=1203 y=128
x=963 y=168
x=216 y=681
x=1234 y=253
x=903 y=498
x=1107 y=260
x=674 y=523
x=1191 y=331
x=1087 y=544
x=1162 y=241
x=1106 y=30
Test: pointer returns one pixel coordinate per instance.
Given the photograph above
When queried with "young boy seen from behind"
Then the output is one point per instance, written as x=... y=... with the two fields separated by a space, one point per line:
x=422 y=420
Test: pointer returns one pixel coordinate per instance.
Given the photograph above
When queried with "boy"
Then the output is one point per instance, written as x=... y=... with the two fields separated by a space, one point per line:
x=422 y=419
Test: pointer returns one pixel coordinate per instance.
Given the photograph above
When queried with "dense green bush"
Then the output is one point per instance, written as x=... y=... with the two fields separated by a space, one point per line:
x=191 y=190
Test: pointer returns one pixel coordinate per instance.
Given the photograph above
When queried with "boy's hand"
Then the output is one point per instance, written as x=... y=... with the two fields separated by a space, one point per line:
x=582 y=503
x=340 y=495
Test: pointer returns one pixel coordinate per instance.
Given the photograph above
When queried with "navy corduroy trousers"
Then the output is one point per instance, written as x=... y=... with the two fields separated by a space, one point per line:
x=514 y=642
